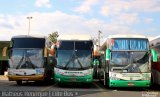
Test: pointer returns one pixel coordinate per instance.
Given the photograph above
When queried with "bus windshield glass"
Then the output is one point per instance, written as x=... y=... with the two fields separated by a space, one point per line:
x=132 y=62
x=28 y=42
x=26 y=58
x=129 y=44
x=74 y=54
x=120 y=58
x=129 y=55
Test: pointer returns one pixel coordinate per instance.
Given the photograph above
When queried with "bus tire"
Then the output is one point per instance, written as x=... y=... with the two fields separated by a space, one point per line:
x=60 y=84
x=19 y=82
x=99 y=77
x=106 y=80
x=152 y=82
x=87 y=85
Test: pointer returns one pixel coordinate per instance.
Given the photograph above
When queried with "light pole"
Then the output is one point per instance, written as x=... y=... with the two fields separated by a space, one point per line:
x=29 y=18
x=99 y=39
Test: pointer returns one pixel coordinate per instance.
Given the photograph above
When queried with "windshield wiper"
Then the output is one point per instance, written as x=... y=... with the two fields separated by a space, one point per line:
x=20 y=62
x=141 y=60
x=26 y=63
x=30 y=63
x=71 y=58
x=74 y=57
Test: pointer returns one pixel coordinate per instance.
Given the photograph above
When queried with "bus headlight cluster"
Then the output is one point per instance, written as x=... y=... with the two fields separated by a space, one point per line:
x=39 y=71
x=57 y=71
x=11 y=73
x=85 y=74
x=89 y=72
x=114 y=78
x=146 y=78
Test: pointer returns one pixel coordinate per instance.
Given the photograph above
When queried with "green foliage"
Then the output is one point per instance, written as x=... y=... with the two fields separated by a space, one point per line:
x=53 y=36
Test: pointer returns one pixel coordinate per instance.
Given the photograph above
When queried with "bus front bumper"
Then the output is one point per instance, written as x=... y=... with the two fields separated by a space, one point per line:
x=77 y=79
x=38 y=77
x=123 y=83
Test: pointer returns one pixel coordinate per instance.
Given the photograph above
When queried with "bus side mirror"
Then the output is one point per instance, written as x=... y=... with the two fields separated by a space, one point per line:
x=154 y=55
x=96 y=62
x=108 y=54
x=45 y=52
x=4 y=51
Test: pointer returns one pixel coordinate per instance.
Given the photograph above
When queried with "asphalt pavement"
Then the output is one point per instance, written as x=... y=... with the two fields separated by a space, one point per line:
x=51 y=89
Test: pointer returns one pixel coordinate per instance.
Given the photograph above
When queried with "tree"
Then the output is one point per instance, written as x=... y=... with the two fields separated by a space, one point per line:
x=53 y=36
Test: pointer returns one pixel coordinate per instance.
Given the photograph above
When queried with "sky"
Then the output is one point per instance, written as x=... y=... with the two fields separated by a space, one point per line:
x=86 y=17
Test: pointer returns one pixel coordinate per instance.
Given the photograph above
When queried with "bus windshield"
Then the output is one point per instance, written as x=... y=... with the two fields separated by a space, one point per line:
x=74 y=55
x=129 y=61
x=120 y=58
x=129 y=44
x=26 y=58
x=74 y=60
x=29 y=42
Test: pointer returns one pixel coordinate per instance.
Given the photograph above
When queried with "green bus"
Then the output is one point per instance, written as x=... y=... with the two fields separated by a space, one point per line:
x=126 y=61
x=74 y=61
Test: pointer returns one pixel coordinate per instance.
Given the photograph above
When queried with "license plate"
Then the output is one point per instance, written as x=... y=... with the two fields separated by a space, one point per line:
x=130 y=84
x=73 y=79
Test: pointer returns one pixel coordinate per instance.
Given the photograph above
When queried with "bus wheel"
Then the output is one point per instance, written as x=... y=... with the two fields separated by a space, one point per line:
x=19 y=82
x=152 y=82
x=87 y=85
x=60 y=84
x=99 y=77
x=106 y=80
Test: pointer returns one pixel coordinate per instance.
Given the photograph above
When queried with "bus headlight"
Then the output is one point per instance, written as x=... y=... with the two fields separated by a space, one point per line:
x=57 y=71
x=39 y=71
x=89 y=72
x=114 y=78
x=85 y=74
x=146 y=78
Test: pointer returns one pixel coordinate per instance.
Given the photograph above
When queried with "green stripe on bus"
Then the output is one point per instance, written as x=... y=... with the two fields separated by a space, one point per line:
x=121 y=83
x=82 y=79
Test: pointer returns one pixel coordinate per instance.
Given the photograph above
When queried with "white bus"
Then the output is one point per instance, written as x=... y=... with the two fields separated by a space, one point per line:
x=28 y=59
x=125 y=61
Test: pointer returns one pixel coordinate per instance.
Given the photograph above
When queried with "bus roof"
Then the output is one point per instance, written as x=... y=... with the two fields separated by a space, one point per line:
x=127 y=36
x=74 y=37
x=155 y=41
x=29 y=36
